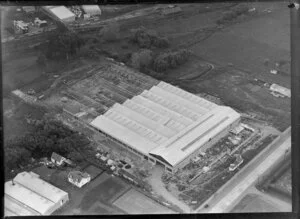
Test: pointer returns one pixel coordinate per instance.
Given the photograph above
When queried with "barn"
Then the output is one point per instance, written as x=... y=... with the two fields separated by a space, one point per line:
x=167 y=125
x=28 y=195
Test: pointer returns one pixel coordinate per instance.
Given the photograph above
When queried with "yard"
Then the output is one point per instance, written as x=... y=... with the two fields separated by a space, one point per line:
x=96 y=197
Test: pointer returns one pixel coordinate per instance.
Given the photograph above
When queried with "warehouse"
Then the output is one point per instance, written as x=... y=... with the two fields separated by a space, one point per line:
x=167 y=125
x=28 y=195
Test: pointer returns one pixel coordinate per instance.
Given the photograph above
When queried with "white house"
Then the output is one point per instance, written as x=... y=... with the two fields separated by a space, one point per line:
x=78 y=178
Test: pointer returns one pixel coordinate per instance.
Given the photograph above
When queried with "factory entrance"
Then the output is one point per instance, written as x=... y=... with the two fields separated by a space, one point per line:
x=160 y=164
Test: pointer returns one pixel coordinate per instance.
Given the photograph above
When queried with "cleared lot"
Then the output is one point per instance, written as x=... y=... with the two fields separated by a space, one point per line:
x=254 y=203
x=134 y=202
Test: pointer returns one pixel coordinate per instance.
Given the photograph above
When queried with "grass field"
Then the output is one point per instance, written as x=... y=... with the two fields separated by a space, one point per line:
x=249 y=43
x=93 y=171
x=134 y=202
x=254 y=203
x=105 y=191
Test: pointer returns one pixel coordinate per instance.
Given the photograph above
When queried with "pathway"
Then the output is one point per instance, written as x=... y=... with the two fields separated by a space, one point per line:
x=158 y=188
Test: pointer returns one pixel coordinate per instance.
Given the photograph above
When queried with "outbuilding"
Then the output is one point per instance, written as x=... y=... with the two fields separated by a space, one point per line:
x=57 y=159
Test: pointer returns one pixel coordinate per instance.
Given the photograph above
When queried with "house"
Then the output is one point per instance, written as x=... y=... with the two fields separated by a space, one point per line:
x=57 y=159
x=78 y=178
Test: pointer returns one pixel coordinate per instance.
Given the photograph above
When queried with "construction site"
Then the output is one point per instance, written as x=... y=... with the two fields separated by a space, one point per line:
x=177 y=136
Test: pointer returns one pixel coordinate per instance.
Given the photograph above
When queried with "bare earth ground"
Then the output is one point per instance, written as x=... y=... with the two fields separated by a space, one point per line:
x=159 y=189
x=285 y=181
x=256 y=201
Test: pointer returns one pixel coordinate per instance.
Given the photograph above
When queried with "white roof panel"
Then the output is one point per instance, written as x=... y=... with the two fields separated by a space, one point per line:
x=168 y=104
x=91 y=9
x=130 y=124
x=123 y=134
x=40 y=186
x=154 y=126
x=162 y=110
x=17 y=208
x=186 y=95
x=180 y=100
x=166 y=121
x=62 y=12
x=191 y=139
x=28 y=197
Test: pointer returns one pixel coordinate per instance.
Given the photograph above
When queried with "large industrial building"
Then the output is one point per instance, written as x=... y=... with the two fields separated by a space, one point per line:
x=28 y=195
x=167 y=125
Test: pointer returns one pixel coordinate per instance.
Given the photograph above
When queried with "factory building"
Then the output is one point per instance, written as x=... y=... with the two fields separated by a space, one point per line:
x=28 y=195
x=167 y=125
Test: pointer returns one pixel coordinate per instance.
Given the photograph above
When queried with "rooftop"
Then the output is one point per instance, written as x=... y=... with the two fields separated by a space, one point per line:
x=165 y=121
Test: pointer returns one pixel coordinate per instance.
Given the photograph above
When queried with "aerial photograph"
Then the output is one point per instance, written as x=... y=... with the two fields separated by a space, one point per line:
x=146 y=108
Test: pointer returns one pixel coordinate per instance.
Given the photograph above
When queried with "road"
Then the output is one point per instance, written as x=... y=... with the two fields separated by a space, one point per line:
x=228 y=196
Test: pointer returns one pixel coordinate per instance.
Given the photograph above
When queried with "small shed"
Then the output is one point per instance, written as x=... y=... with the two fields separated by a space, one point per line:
x=171 y=9
x=63 y=13
x=29 y=9
x=282 y=90
x=91 y=10
x=57 y=159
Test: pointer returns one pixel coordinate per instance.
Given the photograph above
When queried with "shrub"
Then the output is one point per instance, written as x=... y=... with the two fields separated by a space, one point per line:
x=142 y=59
x=148 y=38
x=170 y=60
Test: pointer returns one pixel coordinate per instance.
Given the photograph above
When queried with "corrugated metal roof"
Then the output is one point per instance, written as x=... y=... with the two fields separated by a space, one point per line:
x=170 y=105
x=283 y=90
x=166 y=121
x=197 y=109
x=40 y=187
x=13 y=207
x=91 y=9
x=28 y=197
x=123 y=134
x=162 y=110
x=186 y=95
x=176 y=149
x=62 y=12
x=154 y=126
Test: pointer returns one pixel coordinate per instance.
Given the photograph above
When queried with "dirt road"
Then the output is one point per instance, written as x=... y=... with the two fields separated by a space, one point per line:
x=158 y=187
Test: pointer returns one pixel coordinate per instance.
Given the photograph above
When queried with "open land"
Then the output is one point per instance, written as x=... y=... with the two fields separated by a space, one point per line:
x=225 y=61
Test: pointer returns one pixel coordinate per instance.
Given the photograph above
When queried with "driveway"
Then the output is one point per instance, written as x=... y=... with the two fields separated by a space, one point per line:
x=159 y=189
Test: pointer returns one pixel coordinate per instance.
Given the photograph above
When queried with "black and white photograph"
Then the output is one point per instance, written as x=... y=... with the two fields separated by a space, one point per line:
x=147 y=108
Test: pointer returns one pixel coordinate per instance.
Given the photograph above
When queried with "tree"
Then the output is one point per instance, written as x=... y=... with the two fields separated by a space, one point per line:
x=148 y=38
x=142 y=59
x=168 y=60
